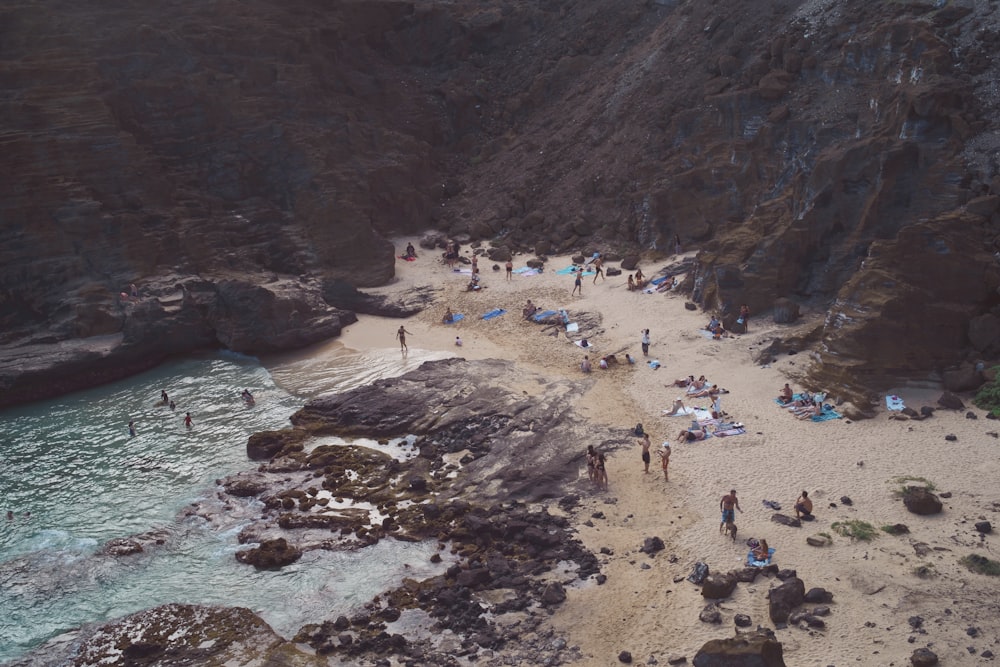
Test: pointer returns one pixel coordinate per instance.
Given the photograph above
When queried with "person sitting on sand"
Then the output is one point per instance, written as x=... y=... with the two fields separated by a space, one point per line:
x=529 y=310
x=411 y=252
x=629 y=358
x=697 y=385
x=713 y=323
x=449 y=316
x=631 y=283
x=719 y=332
x=814 y=410
x=690 y=435
x=786 y=394
x=585 y=364
x=603 y=363
x=677 y=408
x=762 y=552
x=804 y=506
x=474 y=283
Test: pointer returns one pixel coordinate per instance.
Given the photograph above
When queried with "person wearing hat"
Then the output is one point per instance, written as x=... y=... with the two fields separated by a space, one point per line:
x=677 y=408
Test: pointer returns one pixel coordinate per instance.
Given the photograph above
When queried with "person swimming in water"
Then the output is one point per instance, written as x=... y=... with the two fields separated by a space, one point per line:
x=131 y=429
x=248 y=397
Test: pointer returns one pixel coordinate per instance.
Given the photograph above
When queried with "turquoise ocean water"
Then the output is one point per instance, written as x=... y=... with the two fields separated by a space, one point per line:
x=73 y=478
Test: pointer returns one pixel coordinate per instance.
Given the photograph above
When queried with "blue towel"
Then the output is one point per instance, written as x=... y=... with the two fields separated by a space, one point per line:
x=760 y=563
x=573 y=269
x=496 y=312
x=659 y=281
x=538 y=317
x=455 y=318
x=827 y=414
x=894 y=402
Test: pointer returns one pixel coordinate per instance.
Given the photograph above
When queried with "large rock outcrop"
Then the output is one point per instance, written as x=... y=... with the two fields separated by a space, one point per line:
x=839 y=155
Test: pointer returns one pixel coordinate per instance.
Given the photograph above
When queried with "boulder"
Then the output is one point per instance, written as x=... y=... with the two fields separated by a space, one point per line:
x=818 y=596
x=950 y=401
x=710 y=614
x=818 y=541
x=984 y=527
x=742 y=621
x=499 y=254
x=923 y=657
x=270 y=555
x=784 y=598
x=786 y=520
x=651 y=545
x=553 y=594
x=919 y=500
x=753 y=649
x=629 y=262
x=964 y=378
x=718 y=586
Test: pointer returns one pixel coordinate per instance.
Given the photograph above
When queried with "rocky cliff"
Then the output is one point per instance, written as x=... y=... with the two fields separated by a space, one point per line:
x=235 y=159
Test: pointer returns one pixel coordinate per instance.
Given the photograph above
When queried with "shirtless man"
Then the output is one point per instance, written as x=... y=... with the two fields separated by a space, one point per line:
x=691 y=434
x=728 y=505
x=187 y=420
x=509 y=266
x=598 y=271
x=786 y=394
x=803 y=506
x=644 y=443
x=401 y=335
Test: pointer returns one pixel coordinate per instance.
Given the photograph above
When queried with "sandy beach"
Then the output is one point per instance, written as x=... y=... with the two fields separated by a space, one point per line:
x=646 y=607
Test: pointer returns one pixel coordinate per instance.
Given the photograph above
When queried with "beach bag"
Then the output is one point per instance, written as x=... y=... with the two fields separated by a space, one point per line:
x=638 y=430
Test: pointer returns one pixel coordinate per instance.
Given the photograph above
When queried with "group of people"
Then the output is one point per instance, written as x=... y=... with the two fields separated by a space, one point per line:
x=804 y=405
x=664 y=454
x=597 y=467
x=761 y=552
x=166 y=401
x=637 y=280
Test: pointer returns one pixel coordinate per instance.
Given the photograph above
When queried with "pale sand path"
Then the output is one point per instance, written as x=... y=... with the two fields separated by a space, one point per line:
x=643 y=610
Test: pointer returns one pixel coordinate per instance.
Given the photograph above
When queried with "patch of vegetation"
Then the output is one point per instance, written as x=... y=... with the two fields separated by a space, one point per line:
x=903 y=482
x=827 y=536
x=925 y=571
x=855 y=529
x=981 y=565
x=988 y=396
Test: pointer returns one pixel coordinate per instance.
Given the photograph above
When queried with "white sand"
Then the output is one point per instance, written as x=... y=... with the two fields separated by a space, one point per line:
x=643 y=610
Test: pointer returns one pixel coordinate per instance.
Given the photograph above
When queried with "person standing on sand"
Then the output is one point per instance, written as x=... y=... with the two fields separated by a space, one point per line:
x=401 y=335
x=644 y=443
x=645 y=342
x=509 y=266
x=728 y=505
x=187 y=420
x=602 y=471
x=585 y=364
x=745 y=318
x=665 y=460
x=598 y=270
x=578 y=283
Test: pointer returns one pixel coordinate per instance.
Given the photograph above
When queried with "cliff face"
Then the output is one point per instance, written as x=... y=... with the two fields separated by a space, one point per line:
x=835 y=153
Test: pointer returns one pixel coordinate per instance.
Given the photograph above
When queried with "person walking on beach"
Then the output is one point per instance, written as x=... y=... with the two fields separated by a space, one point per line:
x=645 y=342
x=665 y=460
x=401 y=335
x=601 y=470
x=578 y=283
x=644 y=443
x=729 y=504
x=187 y=419
x=598 y=270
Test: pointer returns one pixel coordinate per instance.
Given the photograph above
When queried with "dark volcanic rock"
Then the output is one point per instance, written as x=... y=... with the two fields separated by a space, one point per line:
x=752 y=649
x=270 y=555
x=921 y=501
x=784 y=598
x=923 y=657
x=718 y=586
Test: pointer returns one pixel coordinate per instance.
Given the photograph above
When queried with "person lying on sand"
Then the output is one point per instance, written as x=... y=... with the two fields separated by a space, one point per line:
x=684 y=382
x=706 y=391
x=809 y=412
x=690 y=435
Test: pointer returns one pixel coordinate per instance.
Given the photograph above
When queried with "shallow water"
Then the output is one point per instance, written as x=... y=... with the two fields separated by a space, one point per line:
x=73 y=479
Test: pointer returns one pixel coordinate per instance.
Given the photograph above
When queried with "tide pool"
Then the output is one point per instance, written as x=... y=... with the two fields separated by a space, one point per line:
x=73 y=478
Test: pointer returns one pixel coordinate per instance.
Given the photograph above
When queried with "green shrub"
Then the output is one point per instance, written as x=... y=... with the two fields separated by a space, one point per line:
x=981 y=565
x=905 y=481
x=988 y=396
x=855 y=529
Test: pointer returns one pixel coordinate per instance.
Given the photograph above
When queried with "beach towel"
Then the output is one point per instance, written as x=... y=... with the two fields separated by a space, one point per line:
x=408 y=259
x=654 y=364
x=467 y=272
x=496 y=312
x=685 y=412
x=759 y=563
x=729 y=432
x=771 y=505
x=456 y=317
x=706 y=333
x=544 y=315
x=588 y=346
x=526 y=271
x=827 y=414
x=572 y=327
x=660 y=280
x=702 y=414
x=571 y=270
x=894 y=402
